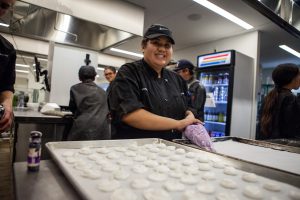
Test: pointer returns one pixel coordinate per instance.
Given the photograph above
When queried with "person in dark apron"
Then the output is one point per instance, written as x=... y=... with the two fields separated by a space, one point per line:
x=89 y=106
x=147 y=100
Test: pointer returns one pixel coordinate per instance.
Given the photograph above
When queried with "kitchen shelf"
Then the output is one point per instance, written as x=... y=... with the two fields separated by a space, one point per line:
x=221 y=102
x=212 y=122
x=215 y=84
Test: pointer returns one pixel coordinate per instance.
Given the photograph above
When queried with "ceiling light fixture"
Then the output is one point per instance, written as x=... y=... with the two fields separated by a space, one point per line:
x=290 y=50
x=224 y=13
x=21 y=65
x=22 y=71
x=5 y=25
x=100 y=68
x=31 y=58
x=127 y=52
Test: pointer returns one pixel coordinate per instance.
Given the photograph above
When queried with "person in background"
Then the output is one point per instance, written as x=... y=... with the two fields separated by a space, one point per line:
x=110 y=75
x=197 y=92
x=280 y=116
x=89 y=106
x=146 y=100
x=7 y=72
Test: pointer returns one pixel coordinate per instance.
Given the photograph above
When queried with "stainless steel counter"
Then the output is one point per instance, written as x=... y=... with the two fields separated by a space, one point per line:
x=47 y=184
x=54 y=128
x=34 y=116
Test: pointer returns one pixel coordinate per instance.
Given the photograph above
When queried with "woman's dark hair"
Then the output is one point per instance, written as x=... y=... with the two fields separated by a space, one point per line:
x=87 y=73
x=113 y=69
x=282 y=75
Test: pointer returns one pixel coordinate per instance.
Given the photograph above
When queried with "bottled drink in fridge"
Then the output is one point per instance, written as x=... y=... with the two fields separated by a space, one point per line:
x=220 y=117
x=216 y=93
x=213 y=116
x=220 y=78
x=226 y=78
x=225 y=93
x=202 y=78
x=210 y=79
x=221 y=94
x=206 y=77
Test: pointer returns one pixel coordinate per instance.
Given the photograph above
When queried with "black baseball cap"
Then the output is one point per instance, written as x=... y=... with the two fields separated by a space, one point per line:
x=183 y=64
x=157 y=30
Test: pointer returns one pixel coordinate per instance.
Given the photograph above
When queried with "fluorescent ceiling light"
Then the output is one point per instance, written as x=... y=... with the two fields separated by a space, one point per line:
x=100 y=68
x=22 y=71
x=290 y=50
x=224 y=13
x=127 y=52
x=21 y=65
x=32 y=58
x=5 y=25
x=42 y=59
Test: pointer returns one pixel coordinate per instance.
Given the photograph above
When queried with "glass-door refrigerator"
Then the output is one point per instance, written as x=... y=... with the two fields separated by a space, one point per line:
x=228 y=79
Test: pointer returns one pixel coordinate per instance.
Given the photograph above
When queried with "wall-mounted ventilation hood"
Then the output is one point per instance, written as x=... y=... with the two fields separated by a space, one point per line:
x=32 y=21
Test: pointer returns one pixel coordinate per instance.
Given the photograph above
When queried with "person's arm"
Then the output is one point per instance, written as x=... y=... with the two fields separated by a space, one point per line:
x=6 y=98
x=72 y=104
x=145 y=120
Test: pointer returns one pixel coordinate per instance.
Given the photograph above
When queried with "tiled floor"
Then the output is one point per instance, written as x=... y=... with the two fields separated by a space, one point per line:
x=6 y=183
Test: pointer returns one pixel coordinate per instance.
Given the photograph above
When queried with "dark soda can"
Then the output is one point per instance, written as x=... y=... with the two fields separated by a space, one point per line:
x=34 y=151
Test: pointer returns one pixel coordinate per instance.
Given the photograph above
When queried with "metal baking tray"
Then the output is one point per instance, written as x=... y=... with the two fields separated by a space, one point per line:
x=267 y=172
x=261 y=143
x=288 y=142
x=254 y=165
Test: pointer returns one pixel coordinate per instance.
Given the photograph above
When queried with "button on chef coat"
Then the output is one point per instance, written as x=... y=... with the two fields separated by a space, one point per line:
x=137 y=86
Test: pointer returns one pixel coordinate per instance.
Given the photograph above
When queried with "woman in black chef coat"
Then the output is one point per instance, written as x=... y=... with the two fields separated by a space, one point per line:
x=89 y=106
x=146 y=100
x=280 y=116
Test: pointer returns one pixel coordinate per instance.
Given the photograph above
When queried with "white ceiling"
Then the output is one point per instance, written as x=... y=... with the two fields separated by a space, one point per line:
x=206 y=26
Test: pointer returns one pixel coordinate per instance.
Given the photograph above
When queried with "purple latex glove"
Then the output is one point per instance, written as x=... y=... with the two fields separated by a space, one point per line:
x=199 y=136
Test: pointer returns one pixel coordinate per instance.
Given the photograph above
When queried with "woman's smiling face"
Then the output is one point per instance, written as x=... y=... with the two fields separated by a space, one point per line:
x=158 y=52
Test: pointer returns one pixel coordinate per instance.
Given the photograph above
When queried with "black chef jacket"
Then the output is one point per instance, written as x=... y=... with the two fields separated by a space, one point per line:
x=7 y=65
x=137 y=86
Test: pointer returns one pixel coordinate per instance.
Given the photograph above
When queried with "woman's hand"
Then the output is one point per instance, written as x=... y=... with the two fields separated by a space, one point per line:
x=7 y=118
x=188 y=120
